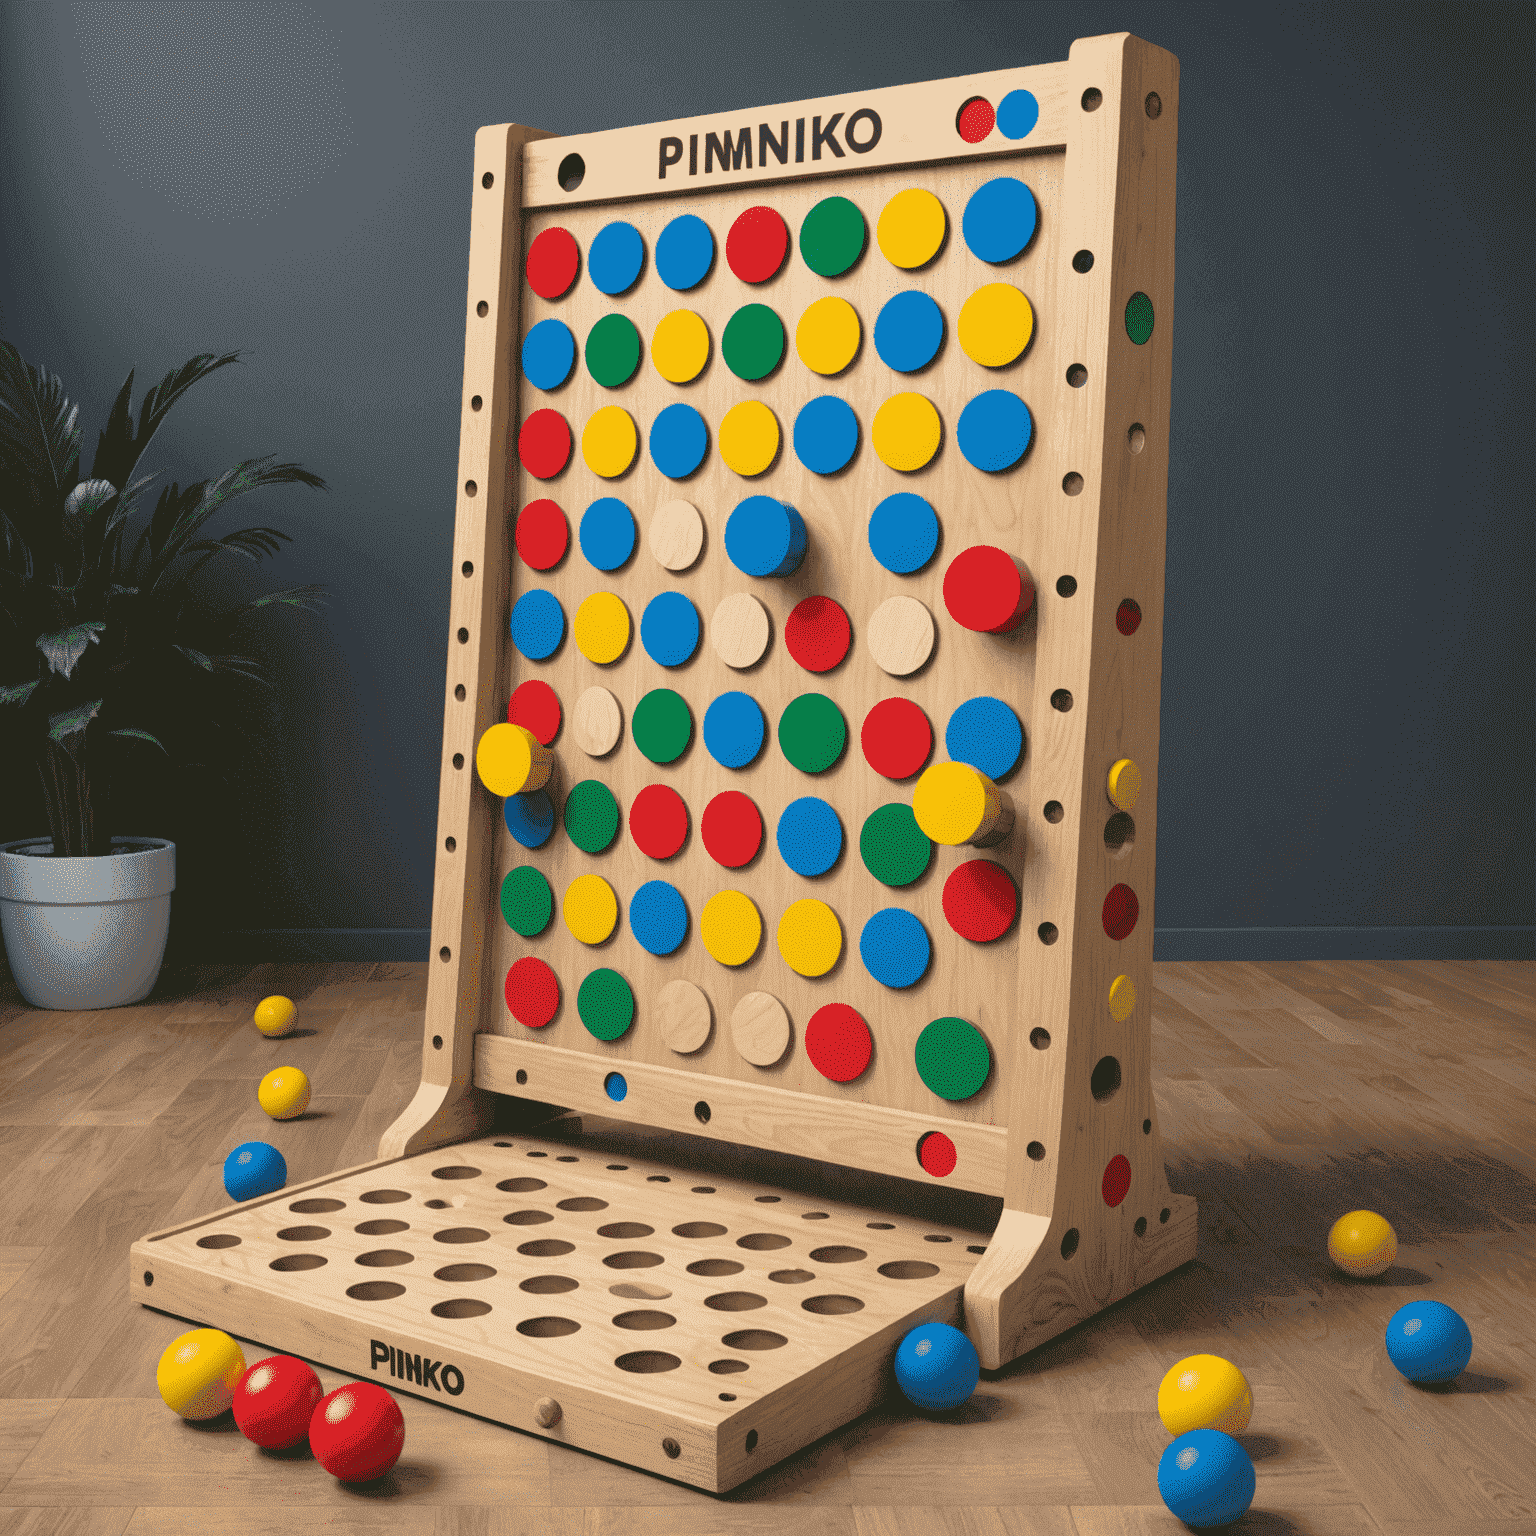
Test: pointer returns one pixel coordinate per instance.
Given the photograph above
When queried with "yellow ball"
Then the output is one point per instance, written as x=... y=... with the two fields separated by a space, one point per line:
x=199 y=1372
x=275 y=1016
x=1362 y=1243
x=284 y=1093
x=1205 y=1392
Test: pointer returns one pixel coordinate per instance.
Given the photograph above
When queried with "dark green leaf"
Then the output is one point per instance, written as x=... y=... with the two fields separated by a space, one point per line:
x=39 y=431
x=310 y=598
x=65 y=647
x=72 y=721
x=119 y=447
x=140 y=736
x=17 y=693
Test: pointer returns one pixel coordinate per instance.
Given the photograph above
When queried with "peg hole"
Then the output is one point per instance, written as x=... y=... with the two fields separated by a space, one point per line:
x=1136 y=438
x=470 y=488
x=1077 y=375
x=1036 y=1150
x=1069 y=1243
x=572 y=169
x=1048 y=932
x=482 y=309
x=1083 y=261
x=1061 y=699
x=459 y=693
x=1072 y=484
x=1093 y=99
x=475 y=402
x=1154 y=104
x=1066 y=586
x=1054 y=811
x=450 y=844
x=1040 y=1039
x=468 y=568
x=1105 y=1081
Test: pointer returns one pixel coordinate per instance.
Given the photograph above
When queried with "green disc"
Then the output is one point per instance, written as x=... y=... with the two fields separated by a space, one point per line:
x=953 y=1058
x=832 y=236
x=1138 y=318
x=606 y=1005
x=527 y=902
x=753 y=342
x=812 y=733
x=661 y=725
x=591 y=815
x=893 y=847
x=613 y=350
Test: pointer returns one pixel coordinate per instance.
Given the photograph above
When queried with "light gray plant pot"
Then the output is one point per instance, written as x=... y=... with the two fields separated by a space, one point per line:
x=86 y=932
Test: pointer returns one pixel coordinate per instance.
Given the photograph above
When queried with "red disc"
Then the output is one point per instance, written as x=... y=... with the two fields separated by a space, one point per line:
x=552 y=262
x=896 y=738
x=357 y=1432
x=838 y=1042
x=1117 y=1180
x=532 y=992
x=536 y=705
x=732 y=829
x=818 y=633
x=976 y=120
x=273 y=1402
x=757 y=244
x=980 y=901
x=936 y=1152
x=987 y=589
x=1128 y=616
x=658 y=821
x=544 y=444
x=1120 y=912
x=542 y=534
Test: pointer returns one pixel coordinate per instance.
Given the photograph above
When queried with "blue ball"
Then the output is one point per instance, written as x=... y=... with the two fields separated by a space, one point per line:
x=254 y=1169
x=937 y=1367
x=1429 y=1341
x=1206 y=1478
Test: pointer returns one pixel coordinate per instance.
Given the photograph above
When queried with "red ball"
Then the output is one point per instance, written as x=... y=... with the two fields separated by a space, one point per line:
x=273 y=1402
x=357 y=1432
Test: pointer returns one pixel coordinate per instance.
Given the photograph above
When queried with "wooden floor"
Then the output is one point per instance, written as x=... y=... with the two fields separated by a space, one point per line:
x=1288 y=1094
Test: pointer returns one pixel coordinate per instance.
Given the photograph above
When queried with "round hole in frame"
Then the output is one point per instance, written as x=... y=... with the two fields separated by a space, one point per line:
x=1163 y=1215
x=445 y=953
x=572 y=169
x=1054 y=811
x=1066 y=586
x=1069 y=1243
x=475 y=402
x=449 y=844
x=1128 y=616
x=1154 y=104
x=1077 y=375
x=1083 y=261
x=1105 y=1081
x=1093 y=99
x=1061 y=700
x=1119 y=834
x=1040 y=1039
x=468 y=568
x=1140 y=1228
x=751 y=1439
x=458 y=760
x=1136 y=437
x=977 y=1248
x=671 y=1448
x=727 y=1397
x=470 y=488
x=648 y=1362
x=219 y=1240
x=1036 y=1150
x=488 y=180
x=1048 y=932
x=437 y=1042
x=522 y=1077
x=1146 y=1127
x=1072 y=483
x=767 y=1199
x=463 y=636
x=459 y=693
x=701 y=1112
x=545 y=1327
x=482 y=309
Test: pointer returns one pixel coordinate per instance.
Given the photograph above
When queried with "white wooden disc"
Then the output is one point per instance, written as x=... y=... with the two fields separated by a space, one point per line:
x=740 y=630
x=677 y=535
x=760 y=1029
x=900 y=635
x=597 y=722
x=684 y=1014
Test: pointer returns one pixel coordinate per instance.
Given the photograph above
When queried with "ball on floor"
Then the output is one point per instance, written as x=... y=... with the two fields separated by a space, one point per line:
x=1205 y=1392
x=357 y=1432
x=1429 y=1341
x=1362 y=1243
x=198 y=1373
x=1206 y=1478
x=284 y=1093
x=274 y=1401
x=937 y=1367
x=275 y=1016
x=254 y=1169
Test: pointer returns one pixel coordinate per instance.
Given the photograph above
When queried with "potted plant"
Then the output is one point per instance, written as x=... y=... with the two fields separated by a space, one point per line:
x=113 y=640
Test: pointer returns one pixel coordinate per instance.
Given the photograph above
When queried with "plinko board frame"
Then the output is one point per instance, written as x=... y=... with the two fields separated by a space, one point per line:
x=812 y=475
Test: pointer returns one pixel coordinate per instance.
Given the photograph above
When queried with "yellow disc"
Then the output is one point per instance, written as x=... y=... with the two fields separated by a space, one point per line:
x=911 y=228
x=198 y=1373
x=1122 y=998
x=1124 y=784
x=608 y=441
x=749 y=437
x=680 y=346
x=730 y=927
x=1362 y=1243
x=810 y=937
x=274 y=1016
x=949 y=802
x=1205 y=1392
x=590 y=909
x=504 y=758
x=996 y=323
x=284 y=1093
x=827 y=336
x=906 y=431
x=601 y=628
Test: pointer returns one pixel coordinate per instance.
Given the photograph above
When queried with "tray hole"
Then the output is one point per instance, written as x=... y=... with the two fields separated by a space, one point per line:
x=755 y=1338
x=832 y=1306
x=546 y=1248
x=219 y=1240
x=1040 y=1039
x=537 y=1154
x=1163 y=1215
x=322 y=1207
x=381 y=1228
x=303 y=1234
x=727 y=1397
x=813 y=1215
x=296 y=1261
x=977 y=1248
x=546 y=1327
x=648 y=1362
x=1106 y=1078
x=521 y=1186
x=527 y=1218
x=763 y=1242
x=728 y=1368
x=522 y=1077
x=1077 y=375
x=567 y=1158
x=460 y=1272
x=1146 y=1127
x=501 y=1143
x=1069 y=1243
x=644 y=1322
x=735 y=1301
x=1072 y=483
x=462 y=1235
x=582 y=1203
x=671 y=1448
x=626 y=1230
x=1083 y=261
x=701 y=1112
x=881 y=1226
x=703 y=1189
x=436 y=1205
x=384 y=1258
x=572 y=169
x=699 y=1229
x=714 y=1268
x=1036 y=1151
x=936 y=1237
x=633 y=1259
x=791 y=1276
x=838 y=1255
x=373 y=1197
x=908 y=1269
x=458 y=1172
x=149 y=1275
x=375 y=1290
x=1119 y=834
x=1141 y=1226
x=751 y=1439
x=547 y=1285
x=618 y=1167
x=657 y=1178
x=767 y=1199
x=638 y=1290
x=1054 y=811
x=1093 y=99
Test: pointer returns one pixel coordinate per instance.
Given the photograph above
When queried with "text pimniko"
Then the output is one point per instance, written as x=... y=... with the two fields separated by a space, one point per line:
x=731 y=149
x=421 y=1370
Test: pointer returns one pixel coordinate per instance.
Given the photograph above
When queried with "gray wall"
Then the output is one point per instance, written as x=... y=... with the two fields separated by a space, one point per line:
x=1348 y=681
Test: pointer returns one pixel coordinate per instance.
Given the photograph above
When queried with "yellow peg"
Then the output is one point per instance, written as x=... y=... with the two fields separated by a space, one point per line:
x=1124 y=784
x=511 y=760
x=955 y=804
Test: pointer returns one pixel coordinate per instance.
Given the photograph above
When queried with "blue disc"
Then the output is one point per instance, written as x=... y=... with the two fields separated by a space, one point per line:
x=1429 y=1341
x=685 y=251
x=985 y=733
x=903 y=533
x=607 y=533
x=937 y=1367
x=253 y=1169
x=826 y=434
x=658 y=917
x=734 y=729
x=765 y=537
x=810 y=836
x=894 y=947
x=1017 y=113
x=549 y=353
x=538 y=624
x=1206 y=1478
x=679 y=441
x=615 y=257
x=530 y=818
x=908 y=331
x=994 y=430
x=669 y=629
x=999 y=219
x=615 y=1087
